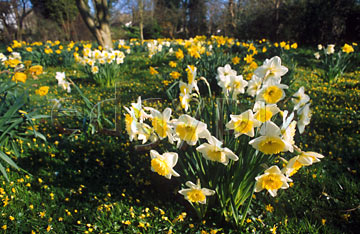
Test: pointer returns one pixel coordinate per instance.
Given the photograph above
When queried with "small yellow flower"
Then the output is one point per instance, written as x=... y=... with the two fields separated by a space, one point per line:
x=235 y=60
x=269 y=208
x=175 y=74
x=36 y=70
x=172 y=64
x=153 y=71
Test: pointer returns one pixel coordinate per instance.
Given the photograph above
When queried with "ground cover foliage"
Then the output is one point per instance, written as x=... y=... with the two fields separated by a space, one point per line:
x=97 y=181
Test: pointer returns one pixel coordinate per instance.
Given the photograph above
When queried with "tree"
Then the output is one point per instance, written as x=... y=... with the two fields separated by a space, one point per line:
x=63 y=12
x=12 y=15
x=98 y=21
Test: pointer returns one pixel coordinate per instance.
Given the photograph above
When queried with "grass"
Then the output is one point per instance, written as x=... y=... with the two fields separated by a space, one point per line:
x=100 y=184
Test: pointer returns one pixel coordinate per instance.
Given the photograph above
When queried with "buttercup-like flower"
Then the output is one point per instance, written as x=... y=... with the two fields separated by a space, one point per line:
x=270 y=141
x=196 y=194
x=214 y=152
x=164 y=164
x=272 y=180
x=243 y=123
x=42 y=91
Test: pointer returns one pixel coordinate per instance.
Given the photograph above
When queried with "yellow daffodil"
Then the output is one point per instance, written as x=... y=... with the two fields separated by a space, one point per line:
x=196 y=194
x=272 y=180
x=19 y=77
x=42 y=91
x=163 y=164
x=235 y=60
x=179 y=54
x=214 y=152
x=36 y=70
x=347 y=48
x=243 y=123
x=270 y=141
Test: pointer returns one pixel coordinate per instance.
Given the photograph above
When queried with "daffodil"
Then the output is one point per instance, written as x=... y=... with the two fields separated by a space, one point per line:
x=214 y=152
x=300 y=98
x=42 y=91
x=271 y=70
x=190 y=130
x=19 y=76
x=161 y=123
x=254 y=85
x=131 y=123
x=304 y=114
x=243 y=123
x=288 y=128
x=272 y=180
x=196 y=194
x=292 y=166
x=225 y=71
x=264 y=112
x=237 y=85
x=308 y=158
x=271 y=93
x=330 y=49
x=164 y=164
x=270 y=141
x=347 y=48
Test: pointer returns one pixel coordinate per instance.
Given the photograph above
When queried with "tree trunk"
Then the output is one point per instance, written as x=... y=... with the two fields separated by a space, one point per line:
x=98 y=26
x=141 y=24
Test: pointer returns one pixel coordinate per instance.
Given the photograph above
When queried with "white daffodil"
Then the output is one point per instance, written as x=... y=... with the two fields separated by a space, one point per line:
x=66 y=86
x=243 y=123
x=161 y=123
x=190 y=130
x=164 y=164
x=237 y=84
x=304 y=114
x=272 y=180
x=330 y=49
x=317 y=55
x=214 y=152
x=60 y=77
x=196 y=194
x=270 y=141
x=131 y=124
x=292 y=166
x=254 y=85
x=145 y=133
x=224 y=83
x=271 y=93
x=271 y=70
x=225 y=71
x=185 y=95
x=139 y=112
x=308 y=158
x=288 y=128
x=191 y=75
x=300 y=98
x=265 y=112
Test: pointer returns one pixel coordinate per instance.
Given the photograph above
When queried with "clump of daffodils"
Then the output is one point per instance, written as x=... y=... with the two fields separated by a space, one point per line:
x=213 y=139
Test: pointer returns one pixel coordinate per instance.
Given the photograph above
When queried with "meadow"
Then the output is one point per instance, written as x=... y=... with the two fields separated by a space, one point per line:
x=72 y=163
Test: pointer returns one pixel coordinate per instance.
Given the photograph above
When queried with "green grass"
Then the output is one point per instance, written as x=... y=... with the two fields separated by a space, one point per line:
x=101 y=184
